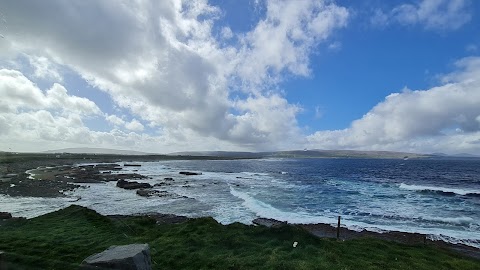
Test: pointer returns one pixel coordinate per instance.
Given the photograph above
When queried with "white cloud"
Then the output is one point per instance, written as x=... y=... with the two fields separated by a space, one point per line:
x=44 y=68
x=438 y=15
x=161 y=61
x=18 y=92
x=418 y=120
x=115 y=120
x=284 y=39
x=335 y=46
x=134 y=125
x=266 y=120
x=227 y=33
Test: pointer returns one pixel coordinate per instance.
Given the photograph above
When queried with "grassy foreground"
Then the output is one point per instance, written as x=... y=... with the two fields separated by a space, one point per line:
x=61 y=240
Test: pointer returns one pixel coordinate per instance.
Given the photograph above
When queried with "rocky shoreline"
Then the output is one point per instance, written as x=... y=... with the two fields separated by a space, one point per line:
x=327 y=231
x=53 y=179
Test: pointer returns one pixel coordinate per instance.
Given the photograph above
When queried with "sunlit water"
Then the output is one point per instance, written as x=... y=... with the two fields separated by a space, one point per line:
x=436 y=197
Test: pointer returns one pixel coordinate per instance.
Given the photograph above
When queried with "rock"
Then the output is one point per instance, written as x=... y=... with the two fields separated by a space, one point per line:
x=147 y=192
x=129 y=257
x=132 y=185
x=5 y=215
x=161 y=184
x=190 y=173
x=270 y=223
x=106 y=166
x=168 y=179
x=152 y=192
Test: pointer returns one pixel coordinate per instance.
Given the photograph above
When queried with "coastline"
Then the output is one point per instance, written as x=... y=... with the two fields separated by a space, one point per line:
x=64 y=238
x=327 y=231
x=65 y=174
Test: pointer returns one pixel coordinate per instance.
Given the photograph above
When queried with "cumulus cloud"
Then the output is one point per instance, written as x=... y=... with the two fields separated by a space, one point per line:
x=265 y=120
x=18 y=92
x=438 y=15
x=134 y=125
x=421 y=119
x=45 y=69
x=115 y=120
x=161 y=61
x=283 y=40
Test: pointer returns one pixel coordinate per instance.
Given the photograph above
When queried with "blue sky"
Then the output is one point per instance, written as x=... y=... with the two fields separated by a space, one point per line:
x=241 y=75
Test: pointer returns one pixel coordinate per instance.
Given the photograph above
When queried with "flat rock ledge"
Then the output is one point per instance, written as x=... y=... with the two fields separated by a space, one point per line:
x=5 y=215
x=128 y=257
x=270 y=223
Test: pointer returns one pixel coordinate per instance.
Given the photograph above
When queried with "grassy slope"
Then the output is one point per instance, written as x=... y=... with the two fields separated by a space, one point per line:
x=61 y=240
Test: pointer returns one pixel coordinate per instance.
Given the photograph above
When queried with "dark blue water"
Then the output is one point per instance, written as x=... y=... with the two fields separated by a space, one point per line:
x=440 y=197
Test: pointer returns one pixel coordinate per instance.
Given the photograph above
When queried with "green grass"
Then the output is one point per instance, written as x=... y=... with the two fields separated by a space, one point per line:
x=61 y=240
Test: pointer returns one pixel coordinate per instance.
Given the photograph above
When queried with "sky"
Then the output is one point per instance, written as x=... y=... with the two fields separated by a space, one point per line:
x=253 y=75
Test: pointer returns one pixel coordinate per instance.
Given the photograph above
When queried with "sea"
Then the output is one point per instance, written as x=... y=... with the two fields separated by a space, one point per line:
x=440 y=198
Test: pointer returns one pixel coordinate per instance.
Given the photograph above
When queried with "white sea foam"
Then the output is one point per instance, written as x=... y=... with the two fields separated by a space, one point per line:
x=457 y=191
x=265 y=210
x=453 y=220
x=262 y=209
x=216 y=194
x=30 y=207
x=30 y=173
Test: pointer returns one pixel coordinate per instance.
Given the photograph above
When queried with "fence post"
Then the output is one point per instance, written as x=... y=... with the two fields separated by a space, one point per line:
x=338 y=228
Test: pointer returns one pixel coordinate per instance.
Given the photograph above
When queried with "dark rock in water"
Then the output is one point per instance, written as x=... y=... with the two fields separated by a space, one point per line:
x=190 y=173
x=145 y=192
x=5 y=215
x=270 y=223
x=132 y=185
x=132 y=165
x=129 y=257
x=151 y=192
x=168 y=179
x=161 y=184
x=105 y=166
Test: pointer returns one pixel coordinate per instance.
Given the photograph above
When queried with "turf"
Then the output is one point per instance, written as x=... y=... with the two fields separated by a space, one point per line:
x=62 y=239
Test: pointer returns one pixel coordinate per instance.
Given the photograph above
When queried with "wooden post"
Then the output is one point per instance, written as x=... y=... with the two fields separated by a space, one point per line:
x=338 y=228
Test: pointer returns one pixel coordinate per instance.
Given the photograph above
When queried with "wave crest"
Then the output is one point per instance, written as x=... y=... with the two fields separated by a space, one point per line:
x=265 y=210
x=441 y=190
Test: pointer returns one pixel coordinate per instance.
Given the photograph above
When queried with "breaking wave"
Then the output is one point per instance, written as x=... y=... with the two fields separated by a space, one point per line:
x=265 y=210
x=441 y=190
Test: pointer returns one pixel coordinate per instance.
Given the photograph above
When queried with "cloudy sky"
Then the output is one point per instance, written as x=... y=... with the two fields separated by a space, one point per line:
x=253 y=75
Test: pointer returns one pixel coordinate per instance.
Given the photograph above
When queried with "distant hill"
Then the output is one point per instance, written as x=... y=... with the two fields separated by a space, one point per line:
x=466 y=155
x=87 y=150
x=220 y=154
x=347 y=154
x=307 y=154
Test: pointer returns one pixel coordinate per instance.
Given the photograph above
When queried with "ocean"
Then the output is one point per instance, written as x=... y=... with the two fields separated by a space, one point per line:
x=440 y=198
